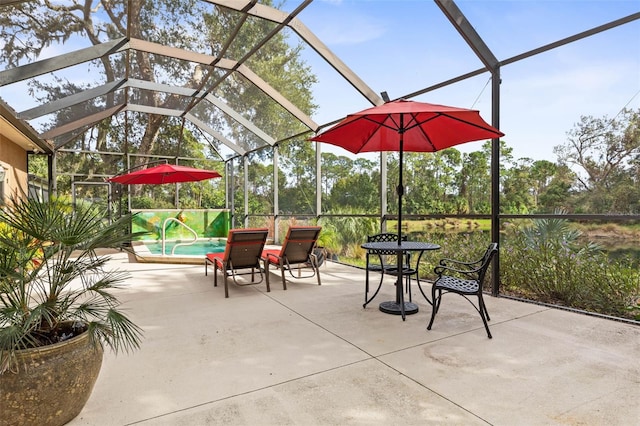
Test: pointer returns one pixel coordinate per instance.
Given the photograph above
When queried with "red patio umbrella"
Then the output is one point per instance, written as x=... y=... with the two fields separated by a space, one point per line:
x=404 y=125
x=165 y=173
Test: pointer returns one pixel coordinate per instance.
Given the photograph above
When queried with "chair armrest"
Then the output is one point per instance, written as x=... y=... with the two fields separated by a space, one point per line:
x=442 y=269
x=446 y=260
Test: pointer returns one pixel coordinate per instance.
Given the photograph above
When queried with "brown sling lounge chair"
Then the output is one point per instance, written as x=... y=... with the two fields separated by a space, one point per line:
x=240 y=257
x=296 y=253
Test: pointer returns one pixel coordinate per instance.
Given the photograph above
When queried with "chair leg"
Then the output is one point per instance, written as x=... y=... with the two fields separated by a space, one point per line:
x=314 y=262
x=266 y=271
x=485 y=308
x=422 y=291
x=408 y=286
x=484 y=314
x=215 y=274
x=366 y=301
x=226 y=284
x=284 y=281
x=366 y=279
x=435 y=304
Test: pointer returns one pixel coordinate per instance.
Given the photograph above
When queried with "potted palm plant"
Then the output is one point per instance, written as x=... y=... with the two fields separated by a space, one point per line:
x=57 y=309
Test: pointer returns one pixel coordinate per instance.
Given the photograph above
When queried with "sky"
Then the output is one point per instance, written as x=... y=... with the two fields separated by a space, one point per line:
x=402 y=47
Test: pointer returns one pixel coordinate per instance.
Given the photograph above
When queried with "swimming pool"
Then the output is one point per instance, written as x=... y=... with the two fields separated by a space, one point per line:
x=199 y=248
x=151 y=251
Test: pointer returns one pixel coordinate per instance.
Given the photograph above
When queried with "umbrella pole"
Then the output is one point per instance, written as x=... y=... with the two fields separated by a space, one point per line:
x=400 y=189
x=400 y=259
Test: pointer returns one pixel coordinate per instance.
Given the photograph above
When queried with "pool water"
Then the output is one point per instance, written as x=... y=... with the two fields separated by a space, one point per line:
x=199 y=248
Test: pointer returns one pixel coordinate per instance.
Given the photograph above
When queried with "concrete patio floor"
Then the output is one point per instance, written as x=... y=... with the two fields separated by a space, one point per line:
x=312 y=355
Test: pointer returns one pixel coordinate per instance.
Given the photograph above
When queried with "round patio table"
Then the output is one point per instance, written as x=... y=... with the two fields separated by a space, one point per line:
x=399 y=306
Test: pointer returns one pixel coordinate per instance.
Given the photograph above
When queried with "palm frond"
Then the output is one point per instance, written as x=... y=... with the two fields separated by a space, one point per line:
x=51 y=274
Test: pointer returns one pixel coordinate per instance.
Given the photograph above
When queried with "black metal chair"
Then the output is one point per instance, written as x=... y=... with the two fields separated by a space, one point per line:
x=465 y=279
x=383 y=266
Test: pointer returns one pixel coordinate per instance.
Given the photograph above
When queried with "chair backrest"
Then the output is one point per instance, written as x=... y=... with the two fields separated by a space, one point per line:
x=299 y=243
x=244 y=247
x=486 y=261
x=384 y=237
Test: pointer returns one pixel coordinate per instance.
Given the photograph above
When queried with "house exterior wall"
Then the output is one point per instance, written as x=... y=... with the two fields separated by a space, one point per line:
x=13 y=159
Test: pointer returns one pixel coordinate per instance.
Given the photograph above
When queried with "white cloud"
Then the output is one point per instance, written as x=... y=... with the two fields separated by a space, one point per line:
x=337 y=23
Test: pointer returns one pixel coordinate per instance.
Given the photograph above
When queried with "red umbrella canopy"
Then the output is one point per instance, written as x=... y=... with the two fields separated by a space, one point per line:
x=407 y=126
x=421 y=127
x=165 y=173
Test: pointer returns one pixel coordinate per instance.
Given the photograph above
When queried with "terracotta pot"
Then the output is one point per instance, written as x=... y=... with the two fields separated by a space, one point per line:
x=52 y=385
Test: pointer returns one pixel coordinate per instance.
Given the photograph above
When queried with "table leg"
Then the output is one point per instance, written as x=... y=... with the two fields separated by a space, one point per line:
x=399 y=306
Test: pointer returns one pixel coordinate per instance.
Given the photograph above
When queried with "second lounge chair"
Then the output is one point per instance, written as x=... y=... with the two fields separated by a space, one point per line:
x=296 y=253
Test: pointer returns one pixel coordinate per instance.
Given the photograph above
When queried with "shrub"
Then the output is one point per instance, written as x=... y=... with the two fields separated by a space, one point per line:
x=544 y=261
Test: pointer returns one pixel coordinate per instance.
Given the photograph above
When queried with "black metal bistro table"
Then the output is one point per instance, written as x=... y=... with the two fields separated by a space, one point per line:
x=399 y=306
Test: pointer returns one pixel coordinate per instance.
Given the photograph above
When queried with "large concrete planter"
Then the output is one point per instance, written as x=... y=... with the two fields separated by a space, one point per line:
x=52 y=385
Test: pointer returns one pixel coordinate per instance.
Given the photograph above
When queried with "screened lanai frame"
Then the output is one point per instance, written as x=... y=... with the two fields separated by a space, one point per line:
x=196 y=103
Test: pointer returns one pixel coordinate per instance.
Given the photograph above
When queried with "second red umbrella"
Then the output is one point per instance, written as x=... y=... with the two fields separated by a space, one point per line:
x=165 y=173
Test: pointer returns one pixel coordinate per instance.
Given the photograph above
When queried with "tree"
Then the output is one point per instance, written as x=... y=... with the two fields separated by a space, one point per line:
x=516 y=197
x=542 y=172
x=604 y=151
x=475 y=182
x=333 y=168
x=357 y=192
x=260 y=187
x=558 y=194
x=431 y=181
x=277 y=62
x=298 y=168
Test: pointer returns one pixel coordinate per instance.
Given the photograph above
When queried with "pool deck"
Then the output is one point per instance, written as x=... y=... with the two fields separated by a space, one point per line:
x=311 y=355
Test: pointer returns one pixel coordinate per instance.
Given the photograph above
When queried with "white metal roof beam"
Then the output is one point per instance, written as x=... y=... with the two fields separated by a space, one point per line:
x=184 y=91
x=71 y=100
x=232 y=34
x=144 y=85
x=278 y=16
x=153 y=110
x=240 y=62
x=85 y=121
x=94 y=52
x=95 y=118
x=227 y=64
x=159 y=87
x=240 y=119
x=175 y=113
x=214 y=133
x=279 y=98
x=200 y=124
x=44 y=66
x=88 y=94
x=224 y=64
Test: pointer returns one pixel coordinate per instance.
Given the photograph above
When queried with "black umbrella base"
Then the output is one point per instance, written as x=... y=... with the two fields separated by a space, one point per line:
x=395 y=308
